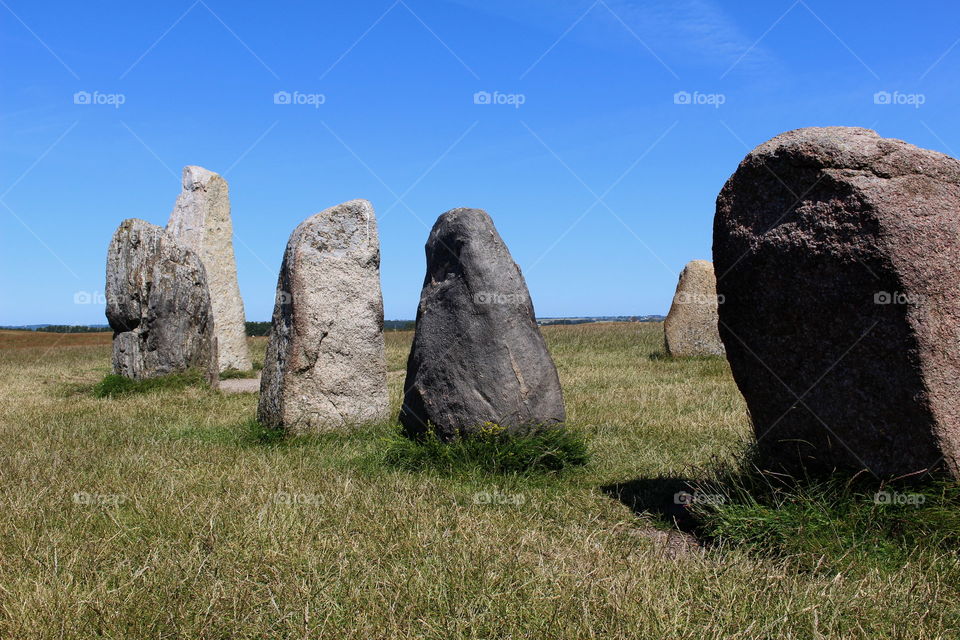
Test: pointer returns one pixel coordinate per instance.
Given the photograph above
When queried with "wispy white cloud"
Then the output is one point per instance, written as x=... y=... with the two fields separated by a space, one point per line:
x=684 y=33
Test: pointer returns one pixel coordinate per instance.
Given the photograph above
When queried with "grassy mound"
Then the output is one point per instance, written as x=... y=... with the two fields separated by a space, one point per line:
x=492 y=449
x=860 y=519
x=113 y=385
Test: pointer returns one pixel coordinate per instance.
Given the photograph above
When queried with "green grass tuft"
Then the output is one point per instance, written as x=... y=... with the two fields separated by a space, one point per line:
x=233 y=374
x=113 y=385
x=491 y=450
x=841 y=520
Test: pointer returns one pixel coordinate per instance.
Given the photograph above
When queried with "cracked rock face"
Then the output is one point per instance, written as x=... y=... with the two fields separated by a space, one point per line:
x=201 y=221
x=690 y=328
x=477 y=353
x=836 y=253
x=325 y=366
x=158 y=304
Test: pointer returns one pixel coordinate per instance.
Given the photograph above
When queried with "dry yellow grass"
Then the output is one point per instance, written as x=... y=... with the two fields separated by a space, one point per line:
x=156 y=516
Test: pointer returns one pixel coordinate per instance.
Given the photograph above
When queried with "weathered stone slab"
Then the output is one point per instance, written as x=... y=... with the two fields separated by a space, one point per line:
x=201 y=221
x=325 y=366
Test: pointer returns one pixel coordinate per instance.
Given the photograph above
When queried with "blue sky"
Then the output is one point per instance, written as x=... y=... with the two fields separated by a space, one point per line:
x=602 y=185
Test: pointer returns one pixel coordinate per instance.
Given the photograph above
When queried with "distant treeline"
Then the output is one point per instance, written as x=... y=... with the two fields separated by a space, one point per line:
x=73 y=328
x=258 y=328
x=263 y=328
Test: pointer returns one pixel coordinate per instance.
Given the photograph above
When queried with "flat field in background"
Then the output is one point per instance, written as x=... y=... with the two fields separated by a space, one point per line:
x=159 y=515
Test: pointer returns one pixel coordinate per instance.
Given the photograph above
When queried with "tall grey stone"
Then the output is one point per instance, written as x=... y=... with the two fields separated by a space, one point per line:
x=158 y=304
x=201 y=221
x=325 y=366
x=690 y=328
x=836 y=253
x=477 y=353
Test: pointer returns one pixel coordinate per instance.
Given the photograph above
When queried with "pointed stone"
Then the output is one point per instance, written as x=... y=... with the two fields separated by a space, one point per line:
x=158 y=304
x=201 y=221
x=690 y=328
x=325 y=366
x=477 y=353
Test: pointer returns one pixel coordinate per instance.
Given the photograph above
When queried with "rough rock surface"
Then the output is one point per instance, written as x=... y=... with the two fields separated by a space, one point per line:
x=477 y=353
x=325 y=366
x=158 y=304
x=836 y=253
x=201 y=221
x=690 y=328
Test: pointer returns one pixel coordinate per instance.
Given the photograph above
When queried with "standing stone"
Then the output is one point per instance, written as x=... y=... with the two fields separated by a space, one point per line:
x=201 y=221
x=691 y=325
x=158 y=304
x=477 y=353
x=836 y=253
x=326 y=365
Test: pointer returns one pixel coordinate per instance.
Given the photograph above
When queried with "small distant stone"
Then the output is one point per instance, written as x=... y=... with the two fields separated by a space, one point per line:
x=690 y=328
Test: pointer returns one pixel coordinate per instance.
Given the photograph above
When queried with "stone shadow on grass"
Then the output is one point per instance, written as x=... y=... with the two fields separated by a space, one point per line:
x=663 y=498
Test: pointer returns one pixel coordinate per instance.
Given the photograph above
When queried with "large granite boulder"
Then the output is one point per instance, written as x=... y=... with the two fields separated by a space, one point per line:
x=836 y=253
x=690 y=328
x=158 y=304
x=325 y=366
x=477 y=353
x=201 y=221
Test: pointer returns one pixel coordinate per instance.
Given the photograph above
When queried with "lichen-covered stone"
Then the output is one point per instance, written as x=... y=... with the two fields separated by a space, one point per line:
x=690 y=328
x=325 y=366
x=201 y=221
x=158 y=304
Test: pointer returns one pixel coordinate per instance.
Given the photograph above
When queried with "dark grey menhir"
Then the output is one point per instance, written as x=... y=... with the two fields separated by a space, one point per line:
x=477 y=353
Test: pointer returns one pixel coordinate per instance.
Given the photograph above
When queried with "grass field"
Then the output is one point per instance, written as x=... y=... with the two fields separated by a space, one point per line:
x=165 y=514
